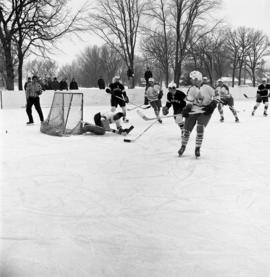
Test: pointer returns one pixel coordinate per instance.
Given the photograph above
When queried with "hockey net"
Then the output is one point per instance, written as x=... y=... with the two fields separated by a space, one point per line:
x=65 y=116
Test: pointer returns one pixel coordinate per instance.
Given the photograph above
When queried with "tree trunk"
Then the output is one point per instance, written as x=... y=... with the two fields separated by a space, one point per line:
x=240 y=73
x=233 y=75
x=9 y=69
x=20 y=67
x=178 y=69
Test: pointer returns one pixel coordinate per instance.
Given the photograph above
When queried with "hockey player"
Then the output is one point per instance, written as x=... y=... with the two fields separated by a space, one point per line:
x=262 y=96
x=103 y=121
x=225 y=98
x=154 y=94
x=176 y=99
x=118 y=96
x=200 y=104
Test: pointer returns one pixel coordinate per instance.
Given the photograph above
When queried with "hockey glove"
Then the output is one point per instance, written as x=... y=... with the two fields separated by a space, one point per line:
x=186 y=110
x=209 y=109
x=160 y=94
x=108 y=90
x=126 y=99
x=165 y=110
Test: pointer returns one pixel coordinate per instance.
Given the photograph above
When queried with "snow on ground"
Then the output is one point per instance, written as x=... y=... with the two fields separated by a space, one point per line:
x=96 y=206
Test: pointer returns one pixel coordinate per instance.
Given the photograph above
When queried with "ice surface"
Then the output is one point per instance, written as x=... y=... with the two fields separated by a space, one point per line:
x=94 y=206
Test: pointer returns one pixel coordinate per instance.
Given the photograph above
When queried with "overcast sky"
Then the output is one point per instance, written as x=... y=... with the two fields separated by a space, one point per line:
x=250 y=13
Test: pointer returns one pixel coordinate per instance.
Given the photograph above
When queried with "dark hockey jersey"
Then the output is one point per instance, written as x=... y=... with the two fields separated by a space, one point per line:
x=263 y=89
x=117 y=89
x=176 y=100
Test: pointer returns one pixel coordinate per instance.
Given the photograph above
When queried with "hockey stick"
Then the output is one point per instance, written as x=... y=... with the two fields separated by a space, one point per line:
x=231 y=107
x=255 y=96
x=143 y=116
x=140 y=106
x=146 y=129
x=136 y=106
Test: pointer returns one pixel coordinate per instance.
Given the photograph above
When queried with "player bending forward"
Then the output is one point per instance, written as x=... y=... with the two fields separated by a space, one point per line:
x=118 y=96
x=154 y=94
x=103 y=121
x=176 y=99
x=262 y=96
x=225 y=98
x=200 y=104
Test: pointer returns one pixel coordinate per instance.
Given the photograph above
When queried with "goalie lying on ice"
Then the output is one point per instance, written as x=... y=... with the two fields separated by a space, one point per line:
x=102 y=124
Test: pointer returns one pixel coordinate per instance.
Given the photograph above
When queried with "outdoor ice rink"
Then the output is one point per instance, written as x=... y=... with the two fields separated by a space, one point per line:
x=94 y=206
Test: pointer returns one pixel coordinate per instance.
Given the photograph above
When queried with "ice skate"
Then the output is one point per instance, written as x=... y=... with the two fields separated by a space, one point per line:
x=236 y=119
x=197 y=152
x=253 y=113
x=265 y=114
x=181 y=150
x=221 y=119
x=29 y=123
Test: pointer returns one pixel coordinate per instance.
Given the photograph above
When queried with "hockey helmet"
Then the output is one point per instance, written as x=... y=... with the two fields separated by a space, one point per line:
x=116 y=78
x=264 y=79
x=196 y=75
x=172 y=85
x=151 y=80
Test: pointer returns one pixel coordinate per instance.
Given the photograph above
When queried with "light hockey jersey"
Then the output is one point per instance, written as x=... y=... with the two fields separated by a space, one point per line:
x=153 y=93
x=200 y=97
x=223 y=91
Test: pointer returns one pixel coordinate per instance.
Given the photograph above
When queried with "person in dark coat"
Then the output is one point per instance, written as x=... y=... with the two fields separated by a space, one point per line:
x=101 y=83
x=73 y=85
x=147 y=75
x=63 y=84
x=55 y=84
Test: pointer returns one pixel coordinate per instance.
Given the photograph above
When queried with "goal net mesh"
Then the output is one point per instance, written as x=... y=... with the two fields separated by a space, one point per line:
x=65 y=116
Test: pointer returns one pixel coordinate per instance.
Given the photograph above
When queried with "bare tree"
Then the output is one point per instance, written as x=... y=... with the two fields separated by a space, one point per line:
x=156 y=44
x=188 y=14
x=232 y=46
x=111 y=62
x=244 y=43
x=41 y=67
x=209 y=54
x=158 y=52
x=31 y=23
x=117 y=23
x=259 y=48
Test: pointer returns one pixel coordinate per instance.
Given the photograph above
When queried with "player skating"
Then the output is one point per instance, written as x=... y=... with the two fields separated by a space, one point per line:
x=102 y=124
x=262 y=96
x=154 y=94
x=118 y=96
x=225 y=99
x=176 y=99
x=200 y=104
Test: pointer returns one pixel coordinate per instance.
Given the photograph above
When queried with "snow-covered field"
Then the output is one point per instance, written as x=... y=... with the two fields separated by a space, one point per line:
x=94 y=206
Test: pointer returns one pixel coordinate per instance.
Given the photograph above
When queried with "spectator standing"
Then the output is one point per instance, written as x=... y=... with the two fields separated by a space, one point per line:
x=130 y=75
x=101 y=83
x=55 y=84
x=147 y=75
x=73 y=85
x=33 y=90
x=63 y=84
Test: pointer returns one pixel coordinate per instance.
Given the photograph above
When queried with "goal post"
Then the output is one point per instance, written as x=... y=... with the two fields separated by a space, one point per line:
x=65 y=116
